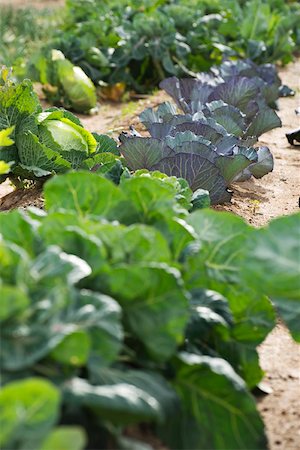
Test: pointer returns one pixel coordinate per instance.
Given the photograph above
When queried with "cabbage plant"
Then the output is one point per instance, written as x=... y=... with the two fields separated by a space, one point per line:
x=64 y=83
x=76 y=89
x=211 y=144
x=43 y=142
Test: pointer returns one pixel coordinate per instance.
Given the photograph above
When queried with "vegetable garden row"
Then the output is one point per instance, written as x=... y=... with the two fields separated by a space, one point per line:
x=126 y=303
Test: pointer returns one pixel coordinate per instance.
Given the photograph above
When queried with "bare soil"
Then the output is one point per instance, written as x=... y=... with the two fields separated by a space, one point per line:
x=280 y=359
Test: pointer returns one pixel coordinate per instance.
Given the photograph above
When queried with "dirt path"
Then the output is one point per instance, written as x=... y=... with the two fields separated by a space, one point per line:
x=280 y=359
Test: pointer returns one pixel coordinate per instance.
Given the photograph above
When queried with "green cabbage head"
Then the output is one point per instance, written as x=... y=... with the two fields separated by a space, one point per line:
x=78 y=90
x=62 y=134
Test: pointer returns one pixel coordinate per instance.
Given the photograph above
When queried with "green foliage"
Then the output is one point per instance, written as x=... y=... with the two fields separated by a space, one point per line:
x=29 y=409
x=43 y=142
x=137 y=311
x=140 y=43
x=5 y=141
x=22 y=33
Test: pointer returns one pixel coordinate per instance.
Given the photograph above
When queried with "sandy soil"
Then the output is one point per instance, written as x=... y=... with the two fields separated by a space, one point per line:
x=280 y=359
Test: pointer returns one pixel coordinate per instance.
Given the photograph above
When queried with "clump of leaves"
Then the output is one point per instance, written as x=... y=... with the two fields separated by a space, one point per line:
x=211 y=144
x=44 y=142
x=23 y=31
x=134 y=311
x=140 y=43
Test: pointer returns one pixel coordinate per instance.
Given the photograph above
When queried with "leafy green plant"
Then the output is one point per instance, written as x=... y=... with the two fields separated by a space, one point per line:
x=211 y=144
x=140 y=43
x=23 y=31
x=64 y=83
x=44 y=142
x=119 y=307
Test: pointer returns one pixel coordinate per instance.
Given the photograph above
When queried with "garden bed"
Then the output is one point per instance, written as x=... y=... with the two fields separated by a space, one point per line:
x=257 y=201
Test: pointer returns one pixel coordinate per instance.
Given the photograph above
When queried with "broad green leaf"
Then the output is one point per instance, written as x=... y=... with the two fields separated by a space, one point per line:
x=154 y=305
x=54 y=325
x=54 y=264
x=254 y=315
x=243 y=358
x=100 y=315
x=106 y=144
x=272 y=265
x=144 y=243
x=148 y=200
x=73 y=239
x=210 y=318
x=16 y=103
x=231 y=166
x=16 y=227
x=14 y=262
x=37 y=158
x=120 y=403
x=222 y=413
x=73 y=350
x=177 y=233
x=65 y=438
x=83 y=193
x=13 y=300
x=251 y=317
x=200 y=199
x=220 y=249
x=29 y=409
x=148 y=381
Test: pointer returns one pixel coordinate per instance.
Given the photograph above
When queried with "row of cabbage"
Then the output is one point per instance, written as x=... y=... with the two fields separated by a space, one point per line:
x=211 y=143
x=136 y=44
x=120 y=309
